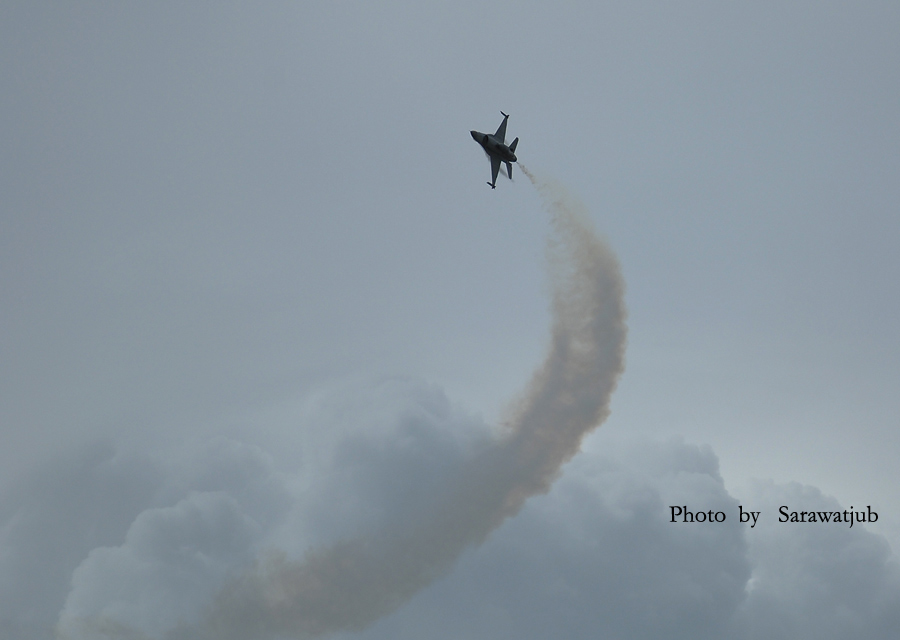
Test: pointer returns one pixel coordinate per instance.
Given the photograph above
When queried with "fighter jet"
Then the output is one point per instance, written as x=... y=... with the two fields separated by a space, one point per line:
x=495 y=146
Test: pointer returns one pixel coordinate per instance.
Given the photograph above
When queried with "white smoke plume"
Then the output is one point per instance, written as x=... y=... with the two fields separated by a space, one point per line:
x=178 y=553
x=349 y=585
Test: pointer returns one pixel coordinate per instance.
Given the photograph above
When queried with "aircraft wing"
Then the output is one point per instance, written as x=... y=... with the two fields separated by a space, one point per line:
x=495 y=168
x=501 y=130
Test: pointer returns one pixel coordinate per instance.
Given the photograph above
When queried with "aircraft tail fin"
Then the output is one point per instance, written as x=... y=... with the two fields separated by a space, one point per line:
x=509 y=169
x=512 y=147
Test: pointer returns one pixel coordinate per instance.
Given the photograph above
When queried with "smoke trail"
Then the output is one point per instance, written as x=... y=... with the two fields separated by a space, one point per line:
x=349 y=585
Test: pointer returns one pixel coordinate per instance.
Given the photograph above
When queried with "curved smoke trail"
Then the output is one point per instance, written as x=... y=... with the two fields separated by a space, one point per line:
x=349 y=585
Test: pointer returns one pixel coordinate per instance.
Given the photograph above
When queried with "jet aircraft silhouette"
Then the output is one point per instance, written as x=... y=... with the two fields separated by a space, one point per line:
x=495 y=147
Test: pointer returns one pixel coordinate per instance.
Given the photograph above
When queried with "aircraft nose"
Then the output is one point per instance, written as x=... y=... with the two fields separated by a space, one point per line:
x=474 y=134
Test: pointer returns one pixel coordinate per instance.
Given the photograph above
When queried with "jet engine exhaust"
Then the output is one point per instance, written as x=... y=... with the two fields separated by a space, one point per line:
x=348 y=586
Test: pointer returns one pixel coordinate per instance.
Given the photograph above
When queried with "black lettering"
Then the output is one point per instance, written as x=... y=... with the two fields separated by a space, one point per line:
x=783 y=511
x=697 y=516
x=746 y=515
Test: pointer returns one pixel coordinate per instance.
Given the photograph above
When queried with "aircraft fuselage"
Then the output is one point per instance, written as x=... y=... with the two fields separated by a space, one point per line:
x=493 y=147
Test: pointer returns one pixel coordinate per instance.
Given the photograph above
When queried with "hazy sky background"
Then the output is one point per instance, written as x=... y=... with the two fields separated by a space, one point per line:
x=214 y=215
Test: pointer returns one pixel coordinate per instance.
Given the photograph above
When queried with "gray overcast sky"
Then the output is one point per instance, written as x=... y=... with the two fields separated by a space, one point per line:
x=209 y=212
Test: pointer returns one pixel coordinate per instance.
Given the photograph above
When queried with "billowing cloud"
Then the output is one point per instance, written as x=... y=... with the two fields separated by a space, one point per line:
x=595 y=556
x=174 y=558
x=598 y=557
x=51 y=519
